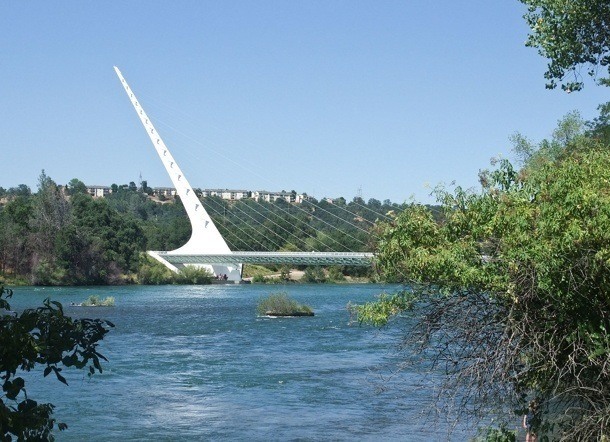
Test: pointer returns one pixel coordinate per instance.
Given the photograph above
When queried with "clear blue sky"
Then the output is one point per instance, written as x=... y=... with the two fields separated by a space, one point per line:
x=323 y=97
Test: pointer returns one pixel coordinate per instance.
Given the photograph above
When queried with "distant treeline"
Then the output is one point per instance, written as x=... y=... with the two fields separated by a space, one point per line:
x=60 y=235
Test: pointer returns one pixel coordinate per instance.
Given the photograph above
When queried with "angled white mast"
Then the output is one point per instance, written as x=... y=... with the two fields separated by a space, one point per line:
x=205 y=237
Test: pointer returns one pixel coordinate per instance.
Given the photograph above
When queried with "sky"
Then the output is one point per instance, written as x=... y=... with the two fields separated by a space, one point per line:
x=379 y=99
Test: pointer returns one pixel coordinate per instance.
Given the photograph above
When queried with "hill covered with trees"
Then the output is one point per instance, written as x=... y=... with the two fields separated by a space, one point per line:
x=60 y=235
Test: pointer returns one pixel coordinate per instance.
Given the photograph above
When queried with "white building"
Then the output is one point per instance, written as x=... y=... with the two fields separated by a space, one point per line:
x=234 y=195
x=99 y=191
x=225 y=194
x=270 y=197
x=168 y=192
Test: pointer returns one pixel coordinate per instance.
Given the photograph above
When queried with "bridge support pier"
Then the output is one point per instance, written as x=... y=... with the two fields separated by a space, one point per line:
x=233 y=272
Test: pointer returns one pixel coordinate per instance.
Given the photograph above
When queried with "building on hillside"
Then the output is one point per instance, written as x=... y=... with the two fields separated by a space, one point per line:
x=234 y=195
x=99 y=191
x=270 y=197
x=226 y=194
x=167 y=192
x=204 y=193
x=300 y=198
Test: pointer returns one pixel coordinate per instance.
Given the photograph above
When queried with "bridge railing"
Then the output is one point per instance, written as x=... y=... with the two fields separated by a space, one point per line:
x=294 y=258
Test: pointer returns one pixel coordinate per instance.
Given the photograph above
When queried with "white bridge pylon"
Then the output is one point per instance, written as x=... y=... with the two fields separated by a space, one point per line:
x=205 y=237
x=207 y=248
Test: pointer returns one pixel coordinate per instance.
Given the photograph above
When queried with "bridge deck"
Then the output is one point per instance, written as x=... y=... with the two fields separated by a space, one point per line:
x=295 y=258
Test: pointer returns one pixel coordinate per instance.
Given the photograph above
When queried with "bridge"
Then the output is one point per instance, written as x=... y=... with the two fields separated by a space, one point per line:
x=295 y=258
x=207 y=248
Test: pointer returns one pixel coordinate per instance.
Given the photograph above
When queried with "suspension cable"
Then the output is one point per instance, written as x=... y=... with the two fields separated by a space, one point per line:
x=243 y=231
x=280 y=208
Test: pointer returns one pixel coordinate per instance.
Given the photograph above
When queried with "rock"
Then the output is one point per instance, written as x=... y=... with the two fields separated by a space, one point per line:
x=289 y=314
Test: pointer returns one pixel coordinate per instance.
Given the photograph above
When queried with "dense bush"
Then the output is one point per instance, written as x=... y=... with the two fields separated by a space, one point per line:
x=512 y=288
x=152 y=272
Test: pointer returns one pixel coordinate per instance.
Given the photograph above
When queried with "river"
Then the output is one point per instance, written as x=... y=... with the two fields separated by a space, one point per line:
x=196 y=363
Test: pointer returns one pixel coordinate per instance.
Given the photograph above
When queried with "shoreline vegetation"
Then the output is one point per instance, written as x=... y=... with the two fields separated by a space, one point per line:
x=257 y=274
x=153 y=273
x=508 y=296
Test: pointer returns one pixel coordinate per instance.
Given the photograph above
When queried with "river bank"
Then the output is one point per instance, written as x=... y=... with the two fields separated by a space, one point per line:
x=256 y=277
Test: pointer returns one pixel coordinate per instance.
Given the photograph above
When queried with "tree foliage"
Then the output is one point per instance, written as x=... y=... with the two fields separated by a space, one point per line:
x=41 y=337
x=572 y=34
x=513 y=288
x=60 y=235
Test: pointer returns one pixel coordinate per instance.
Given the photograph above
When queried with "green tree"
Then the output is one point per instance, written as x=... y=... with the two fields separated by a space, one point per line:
x=512 y=287
x=51 y=213
x=314 y=274
x=45 y=337
x=118 y=238
x=20 y=190
x=76 y=186
x=569 y=128
x=572 y=34
x=15 y=247
x=81 y=259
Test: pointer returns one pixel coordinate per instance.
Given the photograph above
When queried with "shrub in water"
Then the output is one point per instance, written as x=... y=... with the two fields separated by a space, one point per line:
x=94 y=301
x=279 y=304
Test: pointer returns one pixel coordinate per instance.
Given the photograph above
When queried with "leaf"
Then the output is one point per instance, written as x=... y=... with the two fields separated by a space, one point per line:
x=96 y=363
x=68 y=361
x=27 y=405
x=12 y=389
x=60 y=378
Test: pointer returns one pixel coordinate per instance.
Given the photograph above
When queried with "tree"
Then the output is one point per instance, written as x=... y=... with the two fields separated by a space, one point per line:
x=569 y=128
x=20 y=190
x=314 y=274
x=374 y=204
x=76 y=186
x=15 y=249
x=572 y=34
x=144 y=188
x=51 y=214
x=80 y=258
x=512 y=286
x=41 y=337
x=118 y=239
